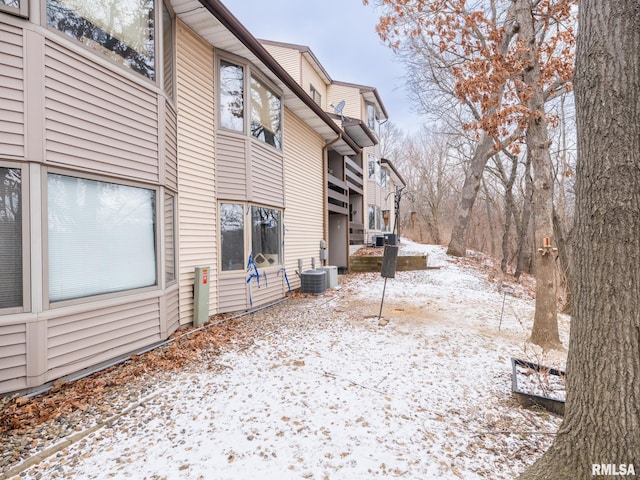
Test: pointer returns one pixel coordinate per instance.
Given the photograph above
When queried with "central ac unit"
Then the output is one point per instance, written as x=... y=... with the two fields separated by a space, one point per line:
x=313 y=281
x=332 y=275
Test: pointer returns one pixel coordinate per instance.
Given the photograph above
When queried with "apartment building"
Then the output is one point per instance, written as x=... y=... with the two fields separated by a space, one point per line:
x=137 y=144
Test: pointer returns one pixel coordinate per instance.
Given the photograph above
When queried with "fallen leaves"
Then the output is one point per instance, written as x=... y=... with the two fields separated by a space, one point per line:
x=22 y=413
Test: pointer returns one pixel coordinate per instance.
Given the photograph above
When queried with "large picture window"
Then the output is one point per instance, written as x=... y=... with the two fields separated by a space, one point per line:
x=232 y=236
x=265 y=236
x=266 y=113
x=125 y=33
x=101 y=237
x=231 y=96
x=10 y=238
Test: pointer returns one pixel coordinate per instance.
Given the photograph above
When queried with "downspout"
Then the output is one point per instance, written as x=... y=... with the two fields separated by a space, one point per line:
x=325 y=190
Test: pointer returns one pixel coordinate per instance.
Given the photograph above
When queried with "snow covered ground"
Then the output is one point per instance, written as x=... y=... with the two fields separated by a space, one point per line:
x=334 y=394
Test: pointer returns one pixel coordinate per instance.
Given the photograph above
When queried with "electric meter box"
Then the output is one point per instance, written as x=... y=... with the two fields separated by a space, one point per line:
x=201 y=295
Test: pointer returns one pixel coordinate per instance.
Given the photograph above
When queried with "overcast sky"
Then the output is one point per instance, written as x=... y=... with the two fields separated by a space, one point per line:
x=341 y=34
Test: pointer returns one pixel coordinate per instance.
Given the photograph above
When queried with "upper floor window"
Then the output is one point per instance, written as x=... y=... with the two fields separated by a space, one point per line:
x=167 y=51
x=231 y=96
x=384 y=179
x=266 y=114
x=374 y=168
x=10 y=238
x=125 y=34
x=315 y=95
x=372 y=117
x=18 y=7
x=371 y=164
x=248 y=104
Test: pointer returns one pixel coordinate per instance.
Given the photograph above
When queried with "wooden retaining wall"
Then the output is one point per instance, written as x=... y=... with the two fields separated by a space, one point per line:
x=364 y=263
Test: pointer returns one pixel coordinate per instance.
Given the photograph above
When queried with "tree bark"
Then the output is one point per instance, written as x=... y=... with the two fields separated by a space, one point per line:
x=602 y=414
x=524 y=250
x=545 y=322
x=473 y=179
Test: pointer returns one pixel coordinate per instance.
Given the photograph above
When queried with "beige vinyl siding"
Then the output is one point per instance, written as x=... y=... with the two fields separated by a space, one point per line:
x=97 y=119
x=351 y=96
x=238 y=295
x=11 y=92
x=231 y=166
x=171 y=147
x=81 y=340
x=288 y=58
x=233 y=292
x=267 y=184
x=196 y=174
x=269 y=290
x=173 y=311
x=13 y=357
x=311 y=77
x=304 y=196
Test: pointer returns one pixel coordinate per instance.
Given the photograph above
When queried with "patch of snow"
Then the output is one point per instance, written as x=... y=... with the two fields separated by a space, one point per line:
x=427 y=396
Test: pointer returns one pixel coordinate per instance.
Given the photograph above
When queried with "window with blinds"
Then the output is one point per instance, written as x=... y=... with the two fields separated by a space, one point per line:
x=11 y=287
x=101 y=237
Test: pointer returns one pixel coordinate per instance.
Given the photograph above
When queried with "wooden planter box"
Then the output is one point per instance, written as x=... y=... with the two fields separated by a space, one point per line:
x=529 y=399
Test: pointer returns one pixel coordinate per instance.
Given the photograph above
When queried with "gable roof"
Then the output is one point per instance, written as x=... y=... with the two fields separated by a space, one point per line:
x=306 y=53
x=370 y=94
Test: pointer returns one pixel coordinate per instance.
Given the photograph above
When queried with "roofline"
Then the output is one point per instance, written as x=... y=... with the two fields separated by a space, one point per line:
x=231 y=23
x=365 y=88
x=301 y=49
x=393 y=168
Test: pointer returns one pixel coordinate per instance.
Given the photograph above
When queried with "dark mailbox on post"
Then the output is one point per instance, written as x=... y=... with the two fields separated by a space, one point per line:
x=389 y=261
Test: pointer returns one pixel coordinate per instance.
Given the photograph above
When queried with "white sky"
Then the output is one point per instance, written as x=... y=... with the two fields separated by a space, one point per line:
x=341 y=34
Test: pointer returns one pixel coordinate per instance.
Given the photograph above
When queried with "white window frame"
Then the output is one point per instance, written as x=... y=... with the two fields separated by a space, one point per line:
x=243 y=265
x=46 y=241
x=315 y=95
x=242 y=66
x=173 y=221
x=22 y=10
x=168 y=55
x=24 y=201
x=249 y=72
x=247 y=213
x=113 y=57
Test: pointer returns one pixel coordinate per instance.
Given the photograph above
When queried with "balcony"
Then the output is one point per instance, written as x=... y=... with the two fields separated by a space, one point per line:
x=355 y=180
x=356 y=233
x=337 y=195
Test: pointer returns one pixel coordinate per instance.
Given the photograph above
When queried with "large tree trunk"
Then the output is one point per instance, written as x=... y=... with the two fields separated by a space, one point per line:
x=545 y=322
x=602 y=415
x=525 y=259
x=484 y=150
